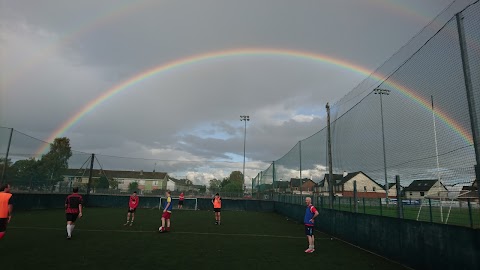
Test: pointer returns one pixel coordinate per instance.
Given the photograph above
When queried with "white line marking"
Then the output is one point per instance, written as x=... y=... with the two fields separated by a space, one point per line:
x=195 y=233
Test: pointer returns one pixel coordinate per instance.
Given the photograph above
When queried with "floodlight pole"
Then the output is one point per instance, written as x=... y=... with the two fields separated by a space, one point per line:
x=382 y=92
x=244 y=118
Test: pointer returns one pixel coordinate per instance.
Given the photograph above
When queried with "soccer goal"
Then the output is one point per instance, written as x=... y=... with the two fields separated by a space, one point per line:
x=188 y=203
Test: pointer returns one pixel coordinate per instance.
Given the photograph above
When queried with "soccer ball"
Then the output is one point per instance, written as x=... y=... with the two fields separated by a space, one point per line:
x=160 y=229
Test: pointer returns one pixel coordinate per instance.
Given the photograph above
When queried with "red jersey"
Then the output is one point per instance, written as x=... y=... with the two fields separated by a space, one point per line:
x=133 y=202
x=182 y=197
x=72 y=202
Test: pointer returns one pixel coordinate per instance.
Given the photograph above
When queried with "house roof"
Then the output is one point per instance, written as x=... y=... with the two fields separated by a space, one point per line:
x=116 y=174
x=295 y=182
x=421 y=185
x=390 y=185
x=350 y=176
x=335 y=177
x=281 y=184
x=472 y=194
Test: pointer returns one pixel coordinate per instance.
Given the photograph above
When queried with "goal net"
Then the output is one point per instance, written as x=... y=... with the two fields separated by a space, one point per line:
x=188 y=203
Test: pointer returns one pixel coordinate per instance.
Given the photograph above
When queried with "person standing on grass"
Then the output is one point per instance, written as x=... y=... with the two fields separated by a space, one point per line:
x=167 y=212
x=217 y=207
x=73 y=210
x=6 y=208
x=309 y=220
x=132 y=207
x=180 y=200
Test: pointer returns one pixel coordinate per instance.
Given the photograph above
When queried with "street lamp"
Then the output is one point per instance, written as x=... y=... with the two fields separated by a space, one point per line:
x=244 y=118
x=382 y=92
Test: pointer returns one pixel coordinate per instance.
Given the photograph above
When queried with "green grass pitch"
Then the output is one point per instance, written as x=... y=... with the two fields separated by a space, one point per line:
x=245 y=240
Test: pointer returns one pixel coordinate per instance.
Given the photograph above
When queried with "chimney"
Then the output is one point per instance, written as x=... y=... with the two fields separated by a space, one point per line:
x=345 y=173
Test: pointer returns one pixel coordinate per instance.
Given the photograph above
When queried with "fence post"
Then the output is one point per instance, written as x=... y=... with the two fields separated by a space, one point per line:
x=470 y=212
x=355 y=201
x=430 y=208
x=381 y=208
x=5 y=164
x=350 y=203
x=363 y=199
x=89 y=185
x=399 y=197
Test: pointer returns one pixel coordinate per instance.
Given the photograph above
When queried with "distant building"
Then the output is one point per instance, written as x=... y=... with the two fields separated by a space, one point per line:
x=420 y=189
x=302 y=186
x=392 y=190
x=281 y=187
x=343 y=186
x=147 y=181
x=469 y=193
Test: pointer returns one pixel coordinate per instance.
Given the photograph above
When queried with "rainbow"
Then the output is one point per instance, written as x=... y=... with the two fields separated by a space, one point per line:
x=227 y=54
x=109 y=16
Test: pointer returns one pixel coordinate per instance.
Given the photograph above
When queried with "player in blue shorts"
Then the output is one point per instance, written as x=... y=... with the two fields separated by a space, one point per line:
x=309 y=220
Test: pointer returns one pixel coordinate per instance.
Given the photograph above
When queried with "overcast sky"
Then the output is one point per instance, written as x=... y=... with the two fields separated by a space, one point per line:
x=56 y=56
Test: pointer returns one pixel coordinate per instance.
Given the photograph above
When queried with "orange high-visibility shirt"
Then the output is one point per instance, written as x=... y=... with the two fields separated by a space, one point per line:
x=4 y=202
x=217 y=202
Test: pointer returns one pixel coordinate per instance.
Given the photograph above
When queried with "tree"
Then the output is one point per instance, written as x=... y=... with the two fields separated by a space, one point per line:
x=29 y=174
x=215 y=184
x=236 y=176
x=113 y=183
x=56 y=160
x=133 y=186
x=101 y=183
x=233 y=186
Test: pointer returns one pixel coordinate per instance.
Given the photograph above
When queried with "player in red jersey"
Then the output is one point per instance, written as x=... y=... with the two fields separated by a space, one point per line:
x=309 y=220
x=132 y=207
x=6 y=208
x=73 y=210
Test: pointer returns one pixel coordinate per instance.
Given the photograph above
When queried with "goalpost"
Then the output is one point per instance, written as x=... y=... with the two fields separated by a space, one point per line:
x=188 y=203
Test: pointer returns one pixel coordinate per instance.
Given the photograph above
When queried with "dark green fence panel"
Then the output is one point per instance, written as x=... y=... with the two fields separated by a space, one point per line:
x=421 y=245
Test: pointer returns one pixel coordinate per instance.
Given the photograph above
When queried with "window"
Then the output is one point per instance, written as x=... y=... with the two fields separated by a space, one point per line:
x=411 y=194
x=365 y=188
x=422 y=193
x=373 y=188
x=71 y=178
x=155 y=183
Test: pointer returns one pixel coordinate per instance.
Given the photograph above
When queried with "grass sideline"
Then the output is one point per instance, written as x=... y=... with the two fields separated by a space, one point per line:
x=244 y=240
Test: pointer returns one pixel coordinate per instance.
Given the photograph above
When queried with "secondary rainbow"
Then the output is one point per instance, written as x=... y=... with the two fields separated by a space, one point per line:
x=258 y=52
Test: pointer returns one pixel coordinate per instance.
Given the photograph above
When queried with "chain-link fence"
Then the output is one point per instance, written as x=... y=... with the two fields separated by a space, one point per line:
x=412 y=119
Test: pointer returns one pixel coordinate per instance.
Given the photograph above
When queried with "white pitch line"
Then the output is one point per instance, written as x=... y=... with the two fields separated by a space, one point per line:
x=195 y=233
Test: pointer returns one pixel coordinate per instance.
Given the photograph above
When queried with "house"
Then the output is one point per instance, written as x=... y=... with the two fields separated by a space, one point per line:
x=469 y=193
x=420 y=189
x=281 y=186
x=302 y=186
x=147 y=181
x=392 y=190
x=180 y=185
x=366 y=186
x=343 y=186
x=323 y=185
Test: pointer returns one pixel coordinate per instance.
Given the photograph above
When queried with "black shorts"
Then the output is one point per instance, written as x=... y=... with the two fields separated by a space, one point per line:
x=71 y=217
x=3 y=224
x=132 y=210
x=309 y=230
x=217 y=210
x=180 y=202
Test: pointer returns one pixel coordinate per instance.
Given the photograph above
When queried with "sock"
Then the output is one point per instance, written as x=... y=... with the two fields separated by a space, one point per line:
x=69 y=230
x=131 y=221
x=2 y=234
